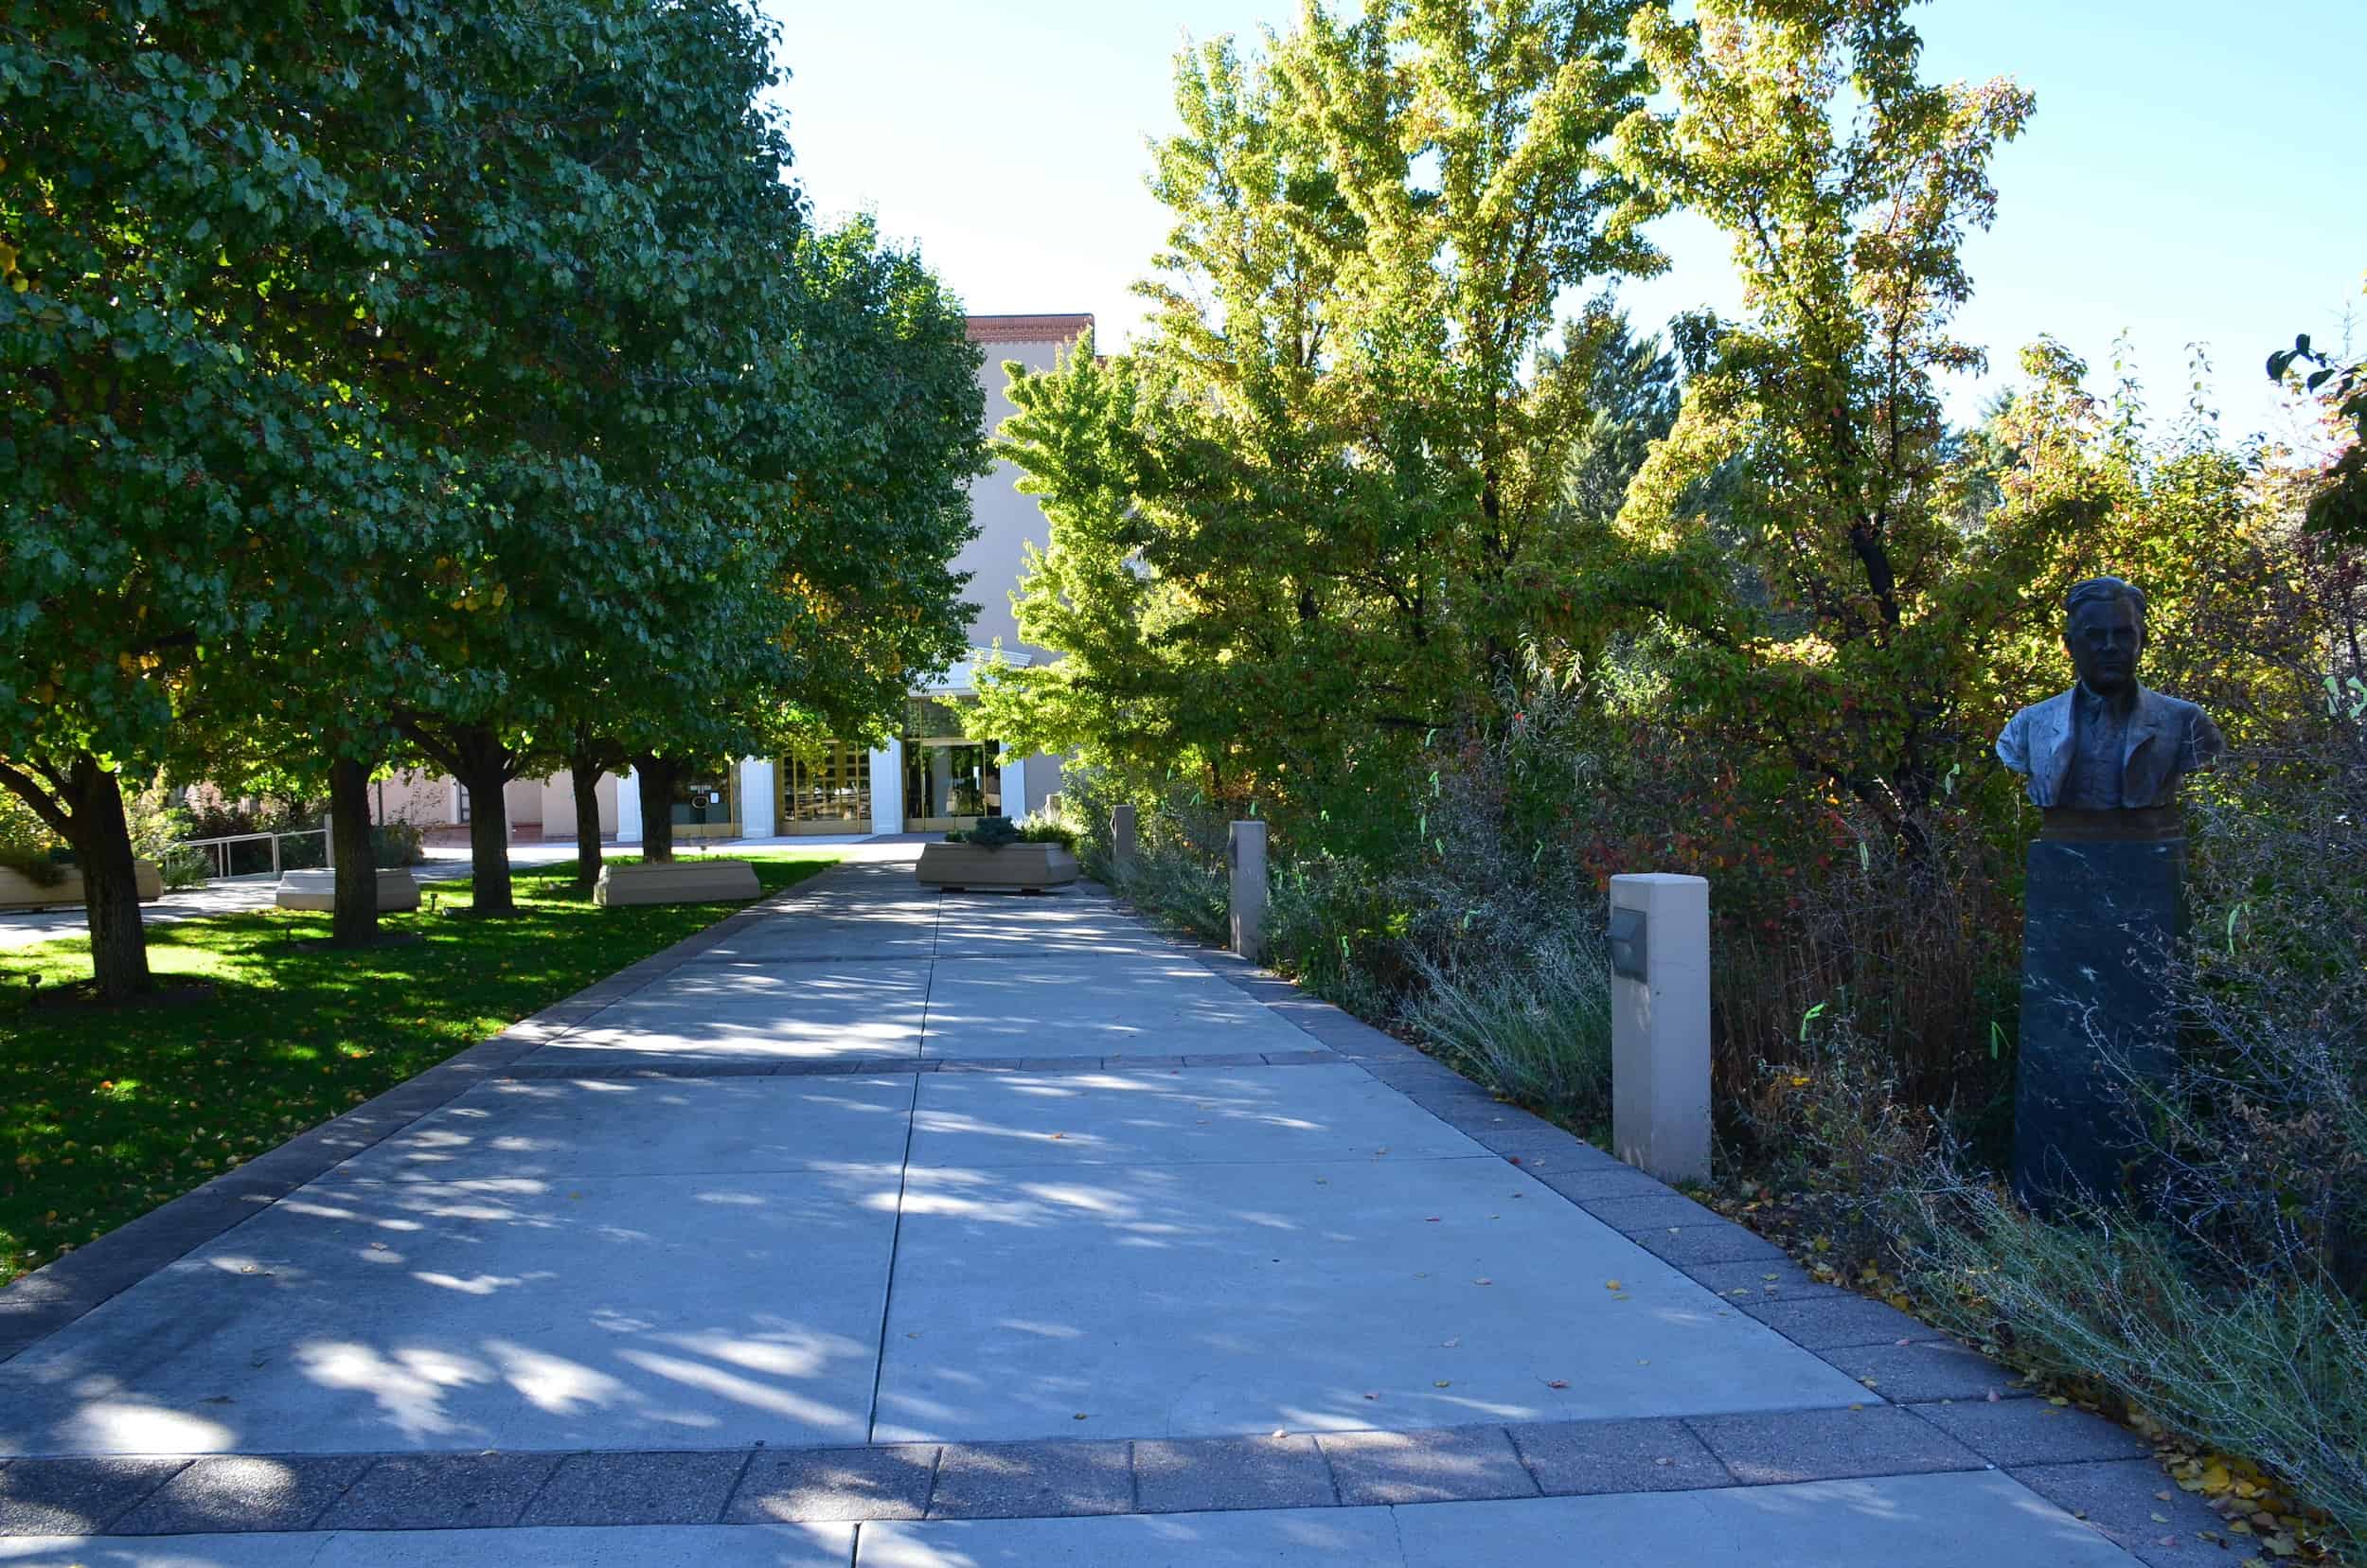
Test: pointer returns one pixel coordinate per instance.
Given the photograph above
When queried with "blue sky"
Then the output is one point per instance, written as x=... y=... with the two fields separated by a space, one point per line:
x=2193 y=172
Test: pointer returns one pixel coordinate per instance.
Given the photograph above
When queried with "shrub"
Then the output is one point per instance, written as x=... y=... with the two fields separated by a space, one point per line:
x=1339 y=929
x=396 y=844
x=154 y=822
x=1830 y=1128
x=2276 y=1374
x=185 y=868
x=35 y=865
x=1535 y=1029
x=1044 y=829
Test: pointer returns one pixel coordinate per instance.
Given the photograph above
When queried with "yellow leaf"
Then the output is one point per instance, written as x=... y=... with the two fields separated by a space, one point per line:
x=2216 y=1478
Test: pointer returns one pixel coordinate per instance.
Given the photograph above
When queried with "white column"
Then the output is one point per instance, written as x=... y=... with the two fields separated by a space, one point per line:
x=1245 y=853
x=758 y=798
x=1014 y=785
x=628 y=807
x=887 y=788
x=1660 y=1025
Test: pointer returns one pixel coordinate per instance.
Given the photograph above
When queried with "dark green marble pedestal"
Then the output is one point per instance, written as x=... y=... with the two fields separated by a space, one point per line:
x=2101 y=916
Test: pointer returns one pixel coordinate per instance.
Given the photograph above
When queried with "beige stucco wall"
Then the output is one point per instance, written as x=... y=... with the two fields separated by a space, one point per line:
x=558 y=804
x=1009 y=521
x=1006 y=520
x=424 y=800
x=523 y=799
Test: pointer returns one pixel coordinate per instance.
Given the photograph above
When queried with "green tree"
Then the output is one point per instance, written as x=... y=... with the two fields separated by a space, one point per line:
x=187 y=260
x=1832 y=611
x=1319 y=511
x=841 y=593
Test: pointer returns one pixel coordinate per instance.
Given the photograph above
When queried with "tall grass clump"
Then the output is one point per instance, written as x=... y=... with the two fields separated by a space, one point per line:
x=1535 y=1027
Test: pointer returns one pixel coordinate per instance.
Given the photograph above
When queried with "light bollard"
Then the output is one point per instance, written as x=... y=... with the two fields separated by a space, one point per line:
x=1245 y=854
x=1122 y=832
x=1660 y=1024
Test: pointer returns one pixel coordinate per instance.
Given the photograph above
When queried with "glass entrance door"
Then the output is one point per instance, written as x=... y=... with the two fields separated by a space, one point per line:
x=951 y=783
x=705 y=807
x=828 y=791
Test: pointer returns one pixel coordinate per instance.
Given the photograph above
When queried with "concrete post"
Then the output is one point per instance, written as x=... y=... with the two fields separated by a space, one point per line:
x=1245 y=853
x=1122 y=840
x=1660 y=1026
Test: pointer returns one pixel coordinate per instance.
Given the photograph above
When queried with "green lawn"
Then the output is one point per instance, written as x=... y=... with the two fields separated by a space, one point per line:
x=105 y=1114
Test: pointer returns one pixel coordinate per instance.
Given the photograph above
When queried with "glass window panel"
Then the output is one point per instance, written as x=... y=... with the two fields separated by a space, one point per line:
x=832 y=786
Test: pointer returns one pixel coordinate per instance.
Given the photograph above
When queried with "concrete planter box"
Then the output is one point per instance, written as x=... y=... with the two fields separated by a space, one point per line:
x=677 y=882
x=397 y=890
x=1020 y=867
x=19 y=891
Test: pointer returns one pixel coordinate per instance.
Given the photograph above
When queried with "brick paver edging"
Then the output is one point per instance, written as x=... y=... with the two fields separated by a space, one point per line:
x=39 y=1303
x=262 y=1494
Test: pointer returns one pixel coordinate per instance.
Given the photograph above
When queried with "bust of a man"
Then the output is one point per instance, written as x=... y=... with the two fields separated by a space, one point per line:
x=2107 y=743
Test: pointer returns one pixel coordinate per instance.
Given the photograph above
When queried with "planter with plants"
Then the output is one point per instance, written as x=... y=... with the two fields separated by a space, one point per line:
x=1000 y=855
x=34 y=880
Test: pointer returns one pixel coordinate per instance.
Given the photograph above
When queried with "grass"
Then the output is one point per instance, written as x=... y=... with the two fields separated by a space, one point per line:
x=106 y=1113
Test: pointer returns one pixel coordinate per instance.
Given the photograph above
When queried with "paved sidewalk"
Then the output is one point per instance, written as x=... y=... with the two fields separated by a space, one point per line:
x=880 y=1227
x=237 y=896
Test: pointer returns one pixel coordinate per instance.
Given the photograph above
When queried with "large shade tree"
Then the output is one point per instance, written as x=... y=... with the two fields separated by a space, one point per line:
x=187 y=258
x=1831 y=606
x=1320 y=511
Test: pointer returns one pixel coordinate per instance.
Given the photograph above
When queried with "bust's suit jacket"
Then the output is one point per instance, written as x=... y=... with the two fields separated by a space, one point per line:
x=2167 y=738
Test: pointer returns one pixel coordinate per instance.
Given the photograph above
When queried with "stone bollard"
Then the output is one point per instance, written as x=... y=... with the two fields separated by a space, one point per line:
x=1660 y=1025
x=1122 y=841
x=1245 y=853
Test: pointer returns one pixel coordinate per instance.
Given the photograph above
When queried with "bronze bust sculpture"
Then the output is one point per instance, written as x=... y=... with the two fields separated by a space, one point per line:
x=2107 y=745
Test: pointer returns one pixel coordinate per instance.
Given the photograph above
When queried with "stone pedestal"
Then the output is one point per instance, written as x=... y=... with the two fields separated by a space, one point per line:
x=2101 y=916
x=1245 y=856
x=1660 y=1025
x=1122 y=839
x=700 y=881
x=397 y=890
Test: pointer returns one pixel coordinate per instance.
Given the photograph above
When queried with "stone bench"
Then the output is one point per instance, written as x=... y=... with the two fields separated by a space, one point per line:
x=398 y=889
x=699 y=881
x=19 y=891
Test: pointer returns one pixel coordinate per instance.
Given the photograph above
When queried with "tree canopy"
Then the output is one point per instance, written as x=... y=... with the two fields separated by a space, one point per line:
x=441 y=380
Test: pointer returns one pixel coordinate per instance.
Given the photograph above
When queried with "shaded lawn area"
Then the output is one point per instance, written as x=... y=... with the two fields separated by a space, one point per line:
x=106 y=1113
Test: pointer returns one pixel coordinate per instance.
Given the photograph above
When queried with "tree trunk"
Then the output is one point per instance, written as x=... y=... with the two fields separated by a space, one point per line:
x=353 y=919
x=111 y=889
x=656 y=776
x=484 y=772
x=584 y=771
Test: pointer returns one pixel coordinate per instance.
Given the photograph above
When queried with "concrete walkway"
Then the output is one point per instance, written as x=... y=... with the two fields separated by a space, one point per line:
x=879 y=1227
x=238 y=896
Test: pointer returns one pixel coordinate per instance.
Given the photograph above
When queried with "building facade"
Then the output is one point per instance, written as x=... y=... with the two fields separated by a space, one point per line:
x=929 y=778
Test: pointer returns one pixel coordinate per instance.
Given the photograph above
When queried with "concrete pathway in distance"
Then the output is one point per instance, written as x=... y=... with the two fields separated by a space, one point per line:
x=238 y=895
x=882 y=1227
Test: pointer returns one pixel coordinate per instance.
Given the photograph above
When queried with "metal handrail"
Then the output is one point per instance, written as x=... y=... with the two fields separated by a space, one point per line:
x=217 y=848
